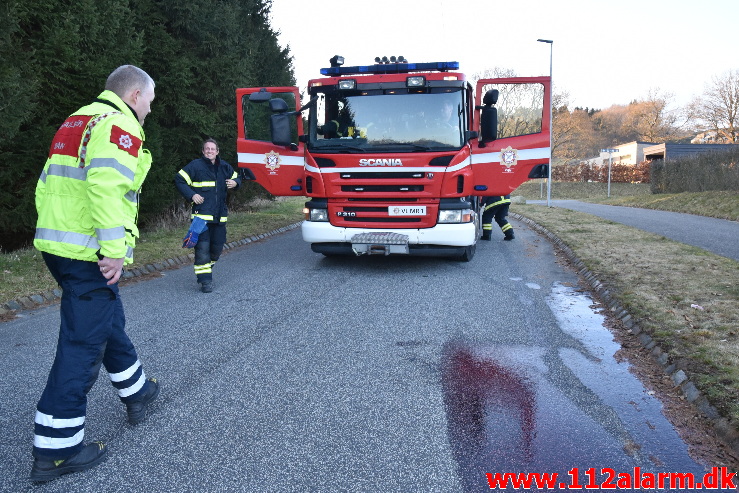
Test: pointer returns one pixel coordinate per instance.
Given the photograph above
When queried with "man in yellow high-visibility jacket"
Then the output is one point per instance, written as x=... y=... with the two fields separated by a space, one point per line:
x=87 y=204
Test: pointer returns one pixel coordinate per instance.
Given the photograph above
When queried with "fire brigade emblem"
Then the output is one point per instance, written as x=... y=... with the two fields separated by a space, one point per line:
x=508 y=157
x=272 y=161
x=125 y=141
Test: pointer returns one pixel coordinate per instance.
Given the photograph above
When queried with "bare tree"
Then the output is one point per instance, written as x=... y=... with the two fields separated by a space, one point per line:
x=494 y=73
x=572 y=131
x=719 y=106
x=654 y=118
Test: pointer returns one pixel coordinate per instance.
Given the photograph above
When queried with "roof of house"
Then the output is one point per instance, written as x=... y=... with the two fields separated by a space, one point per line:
x=672 y=151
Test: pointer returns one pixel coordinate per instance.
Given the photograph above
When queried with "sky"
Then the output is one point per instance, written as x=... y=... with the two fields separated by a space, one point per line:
x=604 y=52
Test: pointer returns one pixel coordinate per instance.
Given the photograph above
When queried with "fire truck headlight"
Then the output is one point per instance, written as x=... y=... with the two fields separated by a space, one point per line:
x=315 y=215
x=455 y=216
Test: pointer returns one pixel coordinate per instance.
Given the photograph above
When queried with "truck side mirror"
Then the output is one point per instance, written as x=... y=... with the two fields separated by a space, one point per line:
x=279 y=122
x=489 y=118
x=279 y=128
x=261 y=96
x=277 y=105
x=491 y=97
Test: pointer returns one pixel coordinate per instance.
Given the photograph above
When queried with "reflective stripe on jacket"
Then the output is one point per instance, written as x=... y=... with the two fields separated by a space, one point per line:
x=88 y=192
x=493 y=201
x=207 y=179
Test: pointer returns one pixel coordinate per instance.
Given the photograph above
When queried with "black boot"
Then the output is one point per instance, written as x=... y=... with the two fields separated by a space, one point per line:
x=509 y=235
x=485 y=236
x=137 y=409
x=91 y=455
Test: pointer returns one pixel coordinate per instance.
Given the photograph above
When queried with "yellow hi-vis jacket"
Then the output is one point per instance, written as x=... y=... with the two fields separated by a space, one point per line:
x=87 y=195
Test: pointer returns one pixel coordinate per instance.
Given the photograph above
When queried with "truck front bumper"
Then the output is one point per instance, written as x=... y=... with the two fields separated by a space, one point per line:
x=442 y=239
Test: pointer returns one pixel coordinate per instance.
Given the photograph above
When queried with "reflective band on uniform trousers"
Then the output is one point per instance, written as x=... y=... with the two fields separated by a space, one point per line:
x=203 y=269
x=125 y=374
x=58 y=443
x=49 y=421
x=133 y=388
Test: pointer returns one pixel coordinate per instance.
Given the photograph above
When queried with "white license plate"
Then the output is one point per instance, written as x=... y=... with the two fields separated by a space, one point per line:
x=417 y=210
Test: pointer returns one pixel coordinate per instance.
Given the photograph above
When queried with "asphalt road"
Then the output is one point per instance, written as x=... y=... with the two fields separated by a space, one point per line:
x=718 y=236
x=304 y=373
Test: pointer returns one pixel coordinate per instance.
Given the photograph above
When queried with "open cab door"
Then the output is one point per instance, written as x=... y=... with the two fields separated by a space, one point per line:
x=267 y=143
x=513 y=119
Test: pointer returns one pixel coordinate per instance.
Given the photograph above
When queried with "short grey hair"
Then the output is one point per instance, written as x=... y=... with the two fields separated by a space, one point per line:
x=127 y=78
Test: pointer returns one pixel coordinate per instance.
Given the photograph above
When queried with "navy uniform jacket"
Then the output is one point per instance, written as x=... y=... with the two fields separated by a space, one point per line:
x=200 y=176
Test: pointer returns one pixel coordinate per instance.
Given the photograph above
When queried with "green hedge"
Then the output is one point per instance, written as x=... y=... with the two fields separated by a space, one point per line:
x=711 y=171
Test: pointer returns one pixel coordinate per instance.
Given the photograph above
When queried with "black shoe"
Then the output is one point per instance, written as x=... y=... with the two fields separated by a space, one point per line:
x=485 y=236
x=137 y=409
x=90 y=456
x=206 y=287
x=509 y=235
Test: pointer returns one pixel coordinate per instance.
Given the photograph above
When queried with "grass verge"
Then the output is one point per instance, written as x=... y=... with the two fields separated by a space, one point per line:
x=686 y=298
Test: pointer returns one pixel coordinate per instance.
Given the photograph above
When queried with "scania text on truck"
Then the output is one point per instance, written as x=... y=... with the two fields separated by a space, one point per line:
x=394 y=157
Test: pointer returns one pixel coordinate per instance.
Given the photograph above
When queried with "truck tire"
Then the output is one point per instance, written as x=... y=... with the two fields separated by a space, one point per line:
x=469 y=253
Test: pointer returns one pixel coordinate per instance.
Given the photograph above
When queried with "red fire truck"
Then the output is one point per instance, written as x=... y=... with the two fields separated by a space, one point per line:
x=394 y=157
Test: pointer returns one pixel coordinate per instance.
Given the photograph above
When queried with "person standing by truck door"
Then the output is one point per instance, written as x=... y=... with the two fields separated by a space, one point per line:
x=87 y=203
x=205 y=181
x=496 y=207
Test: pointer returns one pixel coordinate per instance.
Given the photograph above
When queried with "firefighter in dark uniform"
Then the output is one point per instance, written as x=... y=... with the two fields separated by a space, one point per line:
x=205 y=181
x=496 y=207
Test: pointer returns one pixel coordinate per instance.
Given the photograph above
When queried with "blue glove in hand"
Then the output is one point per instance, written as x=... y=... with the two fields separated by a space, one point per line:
x=191 y=238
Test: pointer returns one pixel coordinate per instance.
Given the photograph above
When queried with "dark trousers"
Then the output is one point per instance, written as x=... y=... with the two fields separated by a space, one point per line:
x=92 y=332
x=208 y=250
x=499 y=213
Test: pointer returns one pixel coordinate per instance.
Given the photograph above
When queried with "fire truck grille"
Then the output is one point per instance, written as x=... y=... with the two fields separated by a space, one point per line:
x=382 y=188
x=370 y=199
x=381 y=175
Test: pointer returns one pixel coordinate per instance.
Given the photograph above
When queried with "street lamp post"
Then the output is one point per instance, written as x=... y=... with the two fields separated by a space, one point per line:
x=551 y=118
x=609 y=151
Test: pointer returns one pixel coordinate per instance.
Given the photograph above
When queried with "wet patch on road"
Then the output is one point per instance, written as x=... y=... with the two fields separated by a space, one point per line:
x=567 y=402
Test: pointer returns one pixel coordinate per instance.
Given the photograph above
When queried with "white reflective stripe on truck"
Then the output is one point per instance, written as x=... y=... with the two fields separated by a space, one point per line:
x=251 y=158
x=522 y=154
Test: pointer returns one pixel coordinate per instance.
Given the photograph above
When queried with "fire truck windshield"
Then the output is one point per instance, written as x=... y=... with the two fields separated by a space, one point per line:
x=391 y=121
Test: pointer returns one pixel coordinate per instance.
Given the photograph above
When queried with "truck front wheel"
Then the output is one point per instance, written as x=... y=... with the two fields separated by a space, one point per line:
x=469 y=252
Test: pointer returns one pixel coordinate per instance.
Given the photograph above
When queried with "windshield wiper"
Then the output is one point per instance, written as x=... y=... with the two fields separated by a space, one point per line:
x=337 y=147
x=410 y=147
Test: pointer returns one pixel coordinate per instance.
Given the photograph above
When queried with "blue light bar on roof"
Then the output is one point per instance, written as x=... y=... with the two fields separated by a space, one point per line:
x=391 y=68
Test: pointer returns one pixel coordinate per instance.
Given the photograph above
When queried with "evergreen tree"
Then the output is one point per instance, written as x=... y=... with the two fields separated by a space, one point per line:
x=64 y=51
x=57 y=54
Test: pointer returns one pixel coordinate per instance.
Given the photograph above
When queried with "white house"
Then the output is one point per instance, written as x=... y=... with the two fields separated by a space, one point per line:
x=630 y=153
